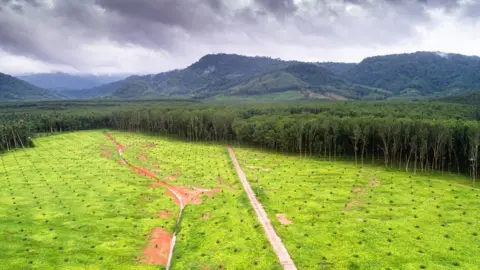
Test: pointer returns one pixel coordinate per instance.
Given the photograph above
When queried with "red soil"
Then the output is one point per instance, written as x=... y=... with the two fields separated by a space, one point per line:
x=164 y=214
x=283 y=219
x=107 y=153
x=119 y=146
x=189 y=196
x=161 y=240
x=159 y=248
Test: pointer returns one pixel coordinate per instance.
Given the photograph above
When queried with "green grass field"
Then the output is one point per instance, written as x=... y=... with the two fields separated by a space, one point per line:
x=221 y=232
x=346 y=217
x=68 y=203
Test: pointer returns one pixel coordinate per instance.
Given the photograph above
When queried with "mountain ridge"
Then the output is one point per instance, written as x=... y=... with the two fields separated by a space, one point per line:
x=13 y=89
x=419 y=75
x=60 y=81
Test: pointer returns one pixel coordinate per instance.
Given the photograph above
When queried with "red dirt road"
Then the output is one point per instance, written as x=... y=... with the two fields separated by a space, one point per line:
x=275 y=241
x=162 y=242
x=159 y=250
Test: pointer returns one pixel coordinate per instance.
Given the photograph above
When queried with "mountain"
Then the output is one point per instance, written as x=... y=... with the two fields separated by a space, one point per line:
x=420 y=74
x=309 y=80
x=63 y=81
x=12 y=89
x=225 y=75
x=337 y=68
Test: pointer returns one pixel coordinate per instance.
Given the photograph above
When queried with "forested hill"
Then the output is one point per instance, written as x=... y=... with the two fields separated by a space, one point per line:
x=420 y=75
x=225 y=76
x=12 y=89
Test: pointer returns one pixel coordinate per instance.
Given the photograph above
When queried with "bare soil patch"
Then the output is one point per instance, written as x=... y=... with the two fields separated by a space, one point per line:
x=353 y=203
x=374 y=182
x=361 y=194
x=189 y=196
x=164 y=214
x=206 y=216
x=159 y=247
x=283 y=219
x=142 y=157
x=357 y=189
x=107 y=154
x=119 y=146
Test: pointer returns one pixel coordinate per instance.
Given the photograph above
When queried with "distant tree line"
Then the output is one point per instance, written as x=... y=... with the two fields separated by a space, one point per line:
x=415 y=140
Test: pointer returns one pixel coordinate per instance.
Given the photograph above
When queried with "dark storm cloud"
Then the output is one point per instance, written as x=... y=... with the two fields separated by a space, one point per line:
x=54 y=33
x=278 y=7
x=186 y=14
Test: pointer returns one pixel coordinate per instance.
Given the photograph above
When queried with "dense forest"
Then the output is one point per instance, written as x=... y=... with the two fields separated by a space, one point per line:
x=472 y=98
x=412 y=136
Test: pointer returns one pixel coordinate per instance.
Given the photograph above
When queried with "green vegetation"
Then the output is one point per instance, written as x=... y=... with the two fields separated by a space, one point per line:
x=13 y=89
x=65 y=205
x=402 y=134
x=420 y=75
x=222 y=231
x=368 y=212
x=348 y=217
x=472 y=98
x=69 y=202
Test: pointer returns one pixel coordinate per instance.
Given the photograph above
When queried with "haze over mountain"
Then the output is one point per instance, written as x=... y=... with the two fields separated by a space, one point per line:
x=63 y=81
x=12 y=89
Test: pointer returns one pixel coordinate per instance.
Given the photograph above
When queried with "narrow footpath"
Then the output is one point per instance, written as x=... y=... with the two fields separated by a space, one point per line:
x=176 y=194
x=275 y=241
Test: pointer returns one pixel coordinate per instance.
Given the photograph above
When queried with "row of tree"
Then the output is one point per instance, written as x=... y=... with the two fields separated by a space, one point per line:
x=410 y=143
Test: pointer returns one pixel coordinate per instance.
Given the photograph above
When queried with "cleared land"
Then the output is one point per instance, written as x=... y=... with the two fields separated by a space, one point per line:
x=71 y=203
x=339 y=216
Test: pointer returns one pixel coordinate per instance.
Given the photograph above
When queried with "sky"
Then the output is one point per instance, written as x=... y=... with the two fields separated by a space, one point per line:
x=152 y=36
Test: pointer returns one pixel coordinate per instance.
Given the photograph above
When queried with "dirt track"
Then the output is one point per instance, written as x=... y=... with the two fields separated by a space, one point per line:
x=275 y=241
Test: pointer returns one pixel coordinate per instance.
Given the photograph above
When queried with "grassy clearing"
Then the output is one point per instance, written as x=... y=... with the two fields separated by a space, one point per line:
x=64 y=205
x=346 y=217
x=68 y=203
x=222 y=231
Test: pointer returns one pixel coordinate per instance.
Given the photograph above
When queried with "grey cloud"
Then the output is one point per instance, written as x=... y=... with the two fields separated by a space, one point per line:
x=279 y=7
x=54 y=34
x=187 y=14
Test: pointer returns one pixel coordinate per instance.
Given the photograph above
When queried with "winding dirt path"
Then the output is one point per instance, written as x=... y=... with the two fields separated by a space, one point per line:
x=275 y=241
x=158 y=254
